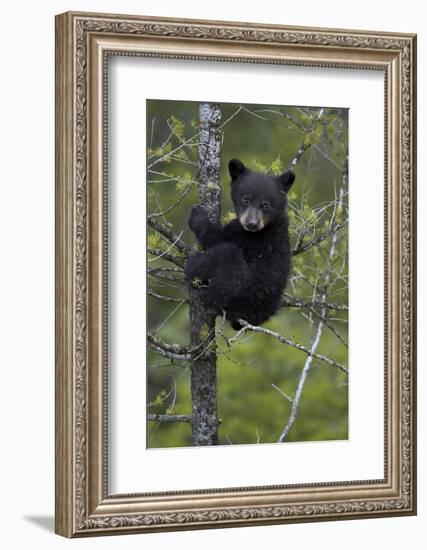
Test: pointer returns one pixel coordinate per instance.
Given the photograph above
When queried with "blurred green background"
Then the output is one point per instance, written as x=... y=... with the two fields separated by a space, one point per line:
x=254 y=374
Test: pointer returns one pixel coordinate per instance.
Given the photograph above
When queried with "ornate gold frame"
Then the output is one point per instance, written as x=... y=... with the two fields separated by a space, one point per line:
x=83 y=506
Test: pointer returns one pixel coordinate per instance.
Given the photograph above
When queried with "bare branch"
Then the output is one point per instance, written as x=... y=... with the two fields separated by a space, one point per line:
x=303 y=148
x=165 y=298
x=329 y=326
x=291 y=301
x=286 y=396
x=158 y=253
x=167 y=140
x=171 y=365
x=169 y=354
x=247 y=326
x=316 y=340
x=301 y=382
x=171 y=314
x=173 y=206
x=167 y=155
x=324 y=307
x=163 y=269
x=172 y=351
x=180 y=353
x=314 y=242
x=294 y=121
x=230 y=118
x=164 y=276
x=304 y=145
x=169 y=234
x=315 y=146
x=169 y=418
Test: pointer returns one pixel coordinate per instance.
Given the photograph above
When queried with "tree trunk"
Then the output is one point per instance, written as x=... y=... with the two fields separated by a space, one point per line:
x=202 y=319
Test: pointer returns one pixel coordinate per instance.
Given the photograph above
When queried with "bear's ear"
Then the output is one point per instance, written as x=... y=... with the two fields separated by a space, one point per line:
x=286 y=180
x=236 y=168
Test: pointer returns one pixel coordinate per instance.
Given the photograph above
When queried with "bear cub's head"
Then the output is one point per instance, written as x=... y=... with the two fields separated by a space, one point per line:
x=259 y=199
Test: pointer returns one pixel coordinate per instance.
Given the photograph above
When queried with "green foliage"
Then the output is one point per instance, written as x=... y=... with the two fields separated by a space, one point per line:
x=315 y=135
x=154 y=240
x=160 y=151
x=204 y=331
x=259 y=166
x=177 y=126
x=212 y=186
x=228 y=217
x=197 y=282
x=160 y=397
x=184 y=182
x=276 y=167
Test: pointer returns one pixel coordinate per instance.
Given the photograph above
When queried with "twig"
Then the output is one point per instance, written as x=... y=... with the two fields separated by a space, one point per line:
x=159 y=253
x=329 y=326
x=167 y=140
x=170 y=208
x=281 y=392
x=301 y=382
x=180 y=146
x=247 y=326
x=171 y=314
x=304 y=145
x=319 y=239
x=169 y=235
x=165 y=298
x=230 y=118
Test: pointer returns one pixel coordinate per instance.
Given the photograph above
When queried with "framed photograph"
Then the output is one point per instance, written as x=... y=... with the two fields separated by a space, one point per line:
x=235 y=274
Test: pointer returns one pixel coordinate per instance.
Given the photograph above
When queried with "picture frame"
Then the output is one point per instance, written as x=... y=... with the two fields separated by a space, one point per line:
x=84 y=506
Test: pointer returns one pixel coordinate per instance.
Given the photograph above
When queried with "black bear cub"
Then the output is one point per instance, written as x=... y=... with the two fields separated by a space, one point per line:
x=245 y=265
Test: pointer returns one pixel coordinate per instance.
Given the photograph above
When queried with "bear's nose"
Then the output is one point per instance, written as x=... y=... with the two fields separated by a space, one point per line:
x=252 y=226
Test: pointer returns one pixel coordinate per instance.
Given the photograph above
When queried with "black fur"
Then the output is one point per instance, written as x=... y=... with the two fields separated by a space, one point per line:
x=245 y=265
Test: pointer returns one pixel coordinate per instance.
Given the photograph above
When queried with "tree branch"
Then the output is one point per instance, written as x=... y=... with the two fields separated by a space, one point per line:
x=290 y=301
x=165 y=298
x=304 y=145
x=317 y=240
x=169 y=418
x=170 y=153
x=164 y=276
x=170 y=235
x=329 y=325
x=316 y=340
x=306 y=368
x=287 y=341
x=172 y=351
x=167 y=256
x=173 y=206
x=303 y=148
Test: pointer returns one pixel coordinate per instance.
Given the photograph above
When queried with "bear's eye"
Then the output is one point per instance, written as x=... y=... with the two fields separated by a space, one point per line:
x=246 y=201
x=265 y=206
